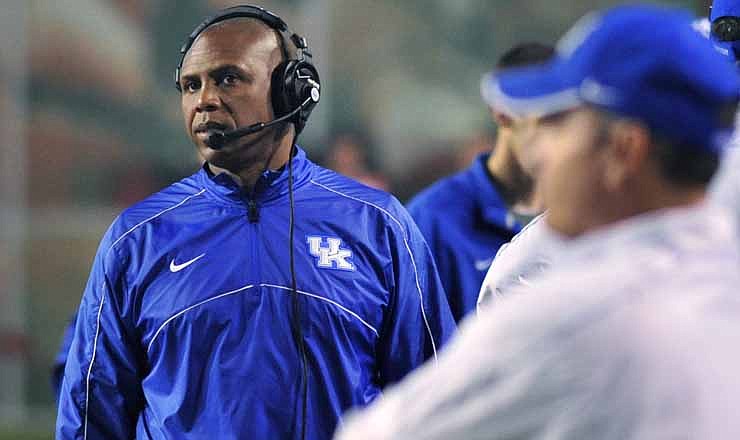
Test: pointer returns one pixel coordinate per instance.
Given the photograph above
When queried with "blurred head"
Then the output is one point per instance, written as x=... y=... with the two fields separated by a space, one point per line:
x=347 y=155
x=517 y=131
x=600 y=167
x=624 y=138
x=225 y=83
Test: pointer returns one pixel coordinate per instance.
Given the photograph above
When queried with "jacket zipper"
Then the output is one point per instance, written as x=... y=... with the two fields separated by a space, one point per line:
x=253 y=210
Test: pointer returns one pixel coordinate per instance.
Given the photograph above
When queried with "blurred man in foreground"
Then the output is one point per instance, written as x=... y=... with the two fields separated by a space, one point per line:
x=633 y=334
x=531 y=252
x=466 y=217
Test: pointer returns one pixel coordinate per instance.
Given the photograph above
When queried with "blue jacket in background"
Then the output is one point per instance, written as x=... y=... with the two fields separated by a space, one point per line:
x=57 y=369
x=184 y=330
x=465 y=221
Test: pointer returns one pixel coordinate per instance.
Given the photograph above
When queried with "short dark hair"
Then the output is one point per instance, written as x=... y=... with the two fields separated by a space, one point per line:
x=680 y=163
x=684 y=165
x=525 y=54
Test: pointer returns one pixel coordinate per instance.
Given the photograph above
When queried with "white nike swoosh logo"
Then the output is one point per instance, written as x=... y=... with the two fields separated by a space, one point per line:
x=483 y=264
x=178 y=267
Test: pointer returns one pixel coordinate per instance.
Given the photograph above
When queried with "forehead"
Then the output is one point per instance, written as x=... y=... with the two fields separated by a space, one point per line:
x=576 y=118
x=243 y=42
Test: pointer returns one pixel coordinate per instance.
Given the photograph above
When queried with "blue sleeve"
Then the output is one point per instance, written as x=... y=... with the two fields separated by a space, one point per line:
x=101 y=396
x=57 y=370
x=419 y=321
x=432 y=229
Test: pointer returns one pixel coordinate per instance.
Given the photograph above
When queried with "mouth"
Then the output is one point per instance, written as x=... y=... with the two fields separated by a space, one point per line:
x=205 y=131
x=206 y=128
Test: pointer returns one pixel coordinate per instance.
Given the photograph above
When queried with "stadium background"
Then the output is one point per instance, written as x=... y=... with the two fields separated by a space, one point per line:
x=90 y=124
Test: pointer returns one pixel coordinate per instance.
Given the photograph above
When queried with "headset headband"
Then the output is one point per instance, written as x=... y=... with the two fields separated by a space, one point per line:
x=300 y=53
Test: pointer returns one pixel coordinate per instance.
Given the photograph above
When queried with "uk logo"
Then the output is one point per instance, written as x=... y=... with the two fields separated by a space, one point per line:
x=329 y=253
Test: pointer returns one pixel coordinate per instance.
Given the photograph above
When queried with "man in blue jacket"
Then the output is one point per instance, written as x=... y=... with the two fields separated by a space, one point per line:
x=466 y=217
x=262 y=296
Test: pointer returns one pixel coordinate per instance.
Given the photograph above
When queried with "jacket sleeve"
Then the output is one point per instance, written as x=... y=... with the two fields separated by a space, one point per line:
x=419 y=320
x=100 y=396
x=432 y=229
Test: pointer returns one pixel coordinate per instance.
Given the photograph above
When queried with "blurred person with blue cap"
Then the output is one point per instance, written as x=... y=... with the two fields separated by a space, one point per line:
x=632 y=334
x=534 y=250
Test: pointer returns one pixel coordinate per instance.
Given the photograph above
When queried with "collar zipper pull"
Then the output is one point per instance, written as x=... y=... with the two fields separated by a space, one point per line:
x=253 y=211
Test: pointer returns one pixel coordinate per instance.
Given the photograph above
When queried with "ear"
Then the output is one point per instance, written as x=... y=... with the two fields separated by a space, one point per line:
x=626 y=154
x=501 y=119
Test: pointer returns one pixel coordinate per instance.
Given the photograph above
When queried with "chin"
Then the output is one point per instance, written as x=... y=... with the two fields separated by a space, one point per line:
x=231 y=158
x=215 y=157
x=218 y=158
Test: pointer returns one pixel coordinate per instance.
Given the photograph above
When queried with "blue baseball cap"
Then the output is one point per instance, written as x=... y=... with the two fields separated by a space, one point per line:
x=642 y=62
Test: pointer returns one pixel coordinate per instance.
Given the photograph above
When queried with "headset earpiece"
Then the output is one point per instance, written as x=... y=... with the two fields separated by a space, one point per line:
x=293 y=83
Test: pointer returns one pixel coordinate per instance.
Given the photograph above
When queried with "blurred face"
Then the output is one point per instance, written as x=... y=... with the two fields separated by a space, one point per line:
x=528 y=153
x=225 y=84
x=574 y=162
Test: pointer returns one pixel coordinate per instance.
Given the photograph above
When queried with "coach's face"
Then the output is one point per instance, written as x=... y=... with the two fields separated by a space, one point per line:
x=573 y=168
x=225 y=83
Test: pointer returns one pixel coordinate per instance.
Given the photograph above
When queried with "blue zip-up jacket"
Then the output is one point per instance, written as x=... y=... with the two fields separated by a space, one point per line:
x=465 y=221
x=184 y=330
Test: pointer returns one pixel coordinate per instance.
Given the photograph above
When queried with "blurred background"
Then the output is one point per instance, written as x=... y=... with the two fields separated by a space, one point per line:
x=90 y=123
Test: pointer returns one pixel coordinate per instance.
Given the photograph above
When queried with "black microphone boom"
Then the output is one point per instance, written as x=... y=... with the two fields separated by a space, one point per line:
x=218 y=140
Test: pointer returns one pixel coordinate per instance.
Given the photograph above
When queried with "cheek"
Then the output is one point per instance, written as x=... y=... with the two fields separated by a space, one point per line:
x=187 y=114
x=543 y=146
x=562 y=166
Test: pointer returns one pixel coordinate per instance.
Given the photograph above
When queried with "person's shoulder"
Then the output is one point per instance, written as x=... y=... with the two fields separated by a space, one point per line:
x=564 y=301
x=534 y=238
x=156 y=205
x=345 y=190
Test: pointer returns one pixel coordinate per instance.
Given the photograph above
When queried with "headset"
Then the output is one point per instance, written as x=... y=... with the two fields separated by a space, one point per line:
x=295 y=91
x=295 y=83
x=726 y=28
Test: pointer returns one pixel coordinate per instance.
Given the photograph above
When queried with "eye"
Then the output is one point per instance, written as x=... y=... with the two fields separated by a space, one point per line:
x=229 y=79
x=190 y=86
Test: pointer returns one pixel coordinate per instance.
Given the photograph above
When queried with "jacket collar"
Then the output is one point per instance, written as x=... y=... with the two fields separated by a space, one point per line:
x=491 y=205
x=271 y=185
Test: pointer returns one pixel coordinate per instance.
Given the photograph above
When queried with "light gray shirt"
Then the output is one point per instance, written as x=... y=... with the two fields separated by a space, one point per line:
x=633 y=335
x=521 y=261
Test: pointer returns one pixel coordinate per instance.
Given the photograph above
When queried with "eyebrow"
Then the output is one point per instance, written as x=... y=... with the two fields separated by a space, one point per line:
x=220 y=71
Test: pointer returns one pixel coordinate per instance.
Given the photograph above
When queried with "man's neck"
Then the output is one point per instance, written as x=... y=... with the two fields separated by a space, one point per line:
x=641 y=200
x=246 y=175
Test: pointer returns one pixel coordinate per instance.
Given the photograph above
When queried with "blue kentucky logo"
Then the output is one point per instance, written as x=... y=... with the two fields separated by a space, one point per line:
x=328 y=253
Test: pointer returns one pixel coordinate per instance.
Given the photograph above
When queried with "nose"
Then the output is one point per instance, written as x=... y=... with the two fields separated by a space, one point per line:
x=208 y=99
